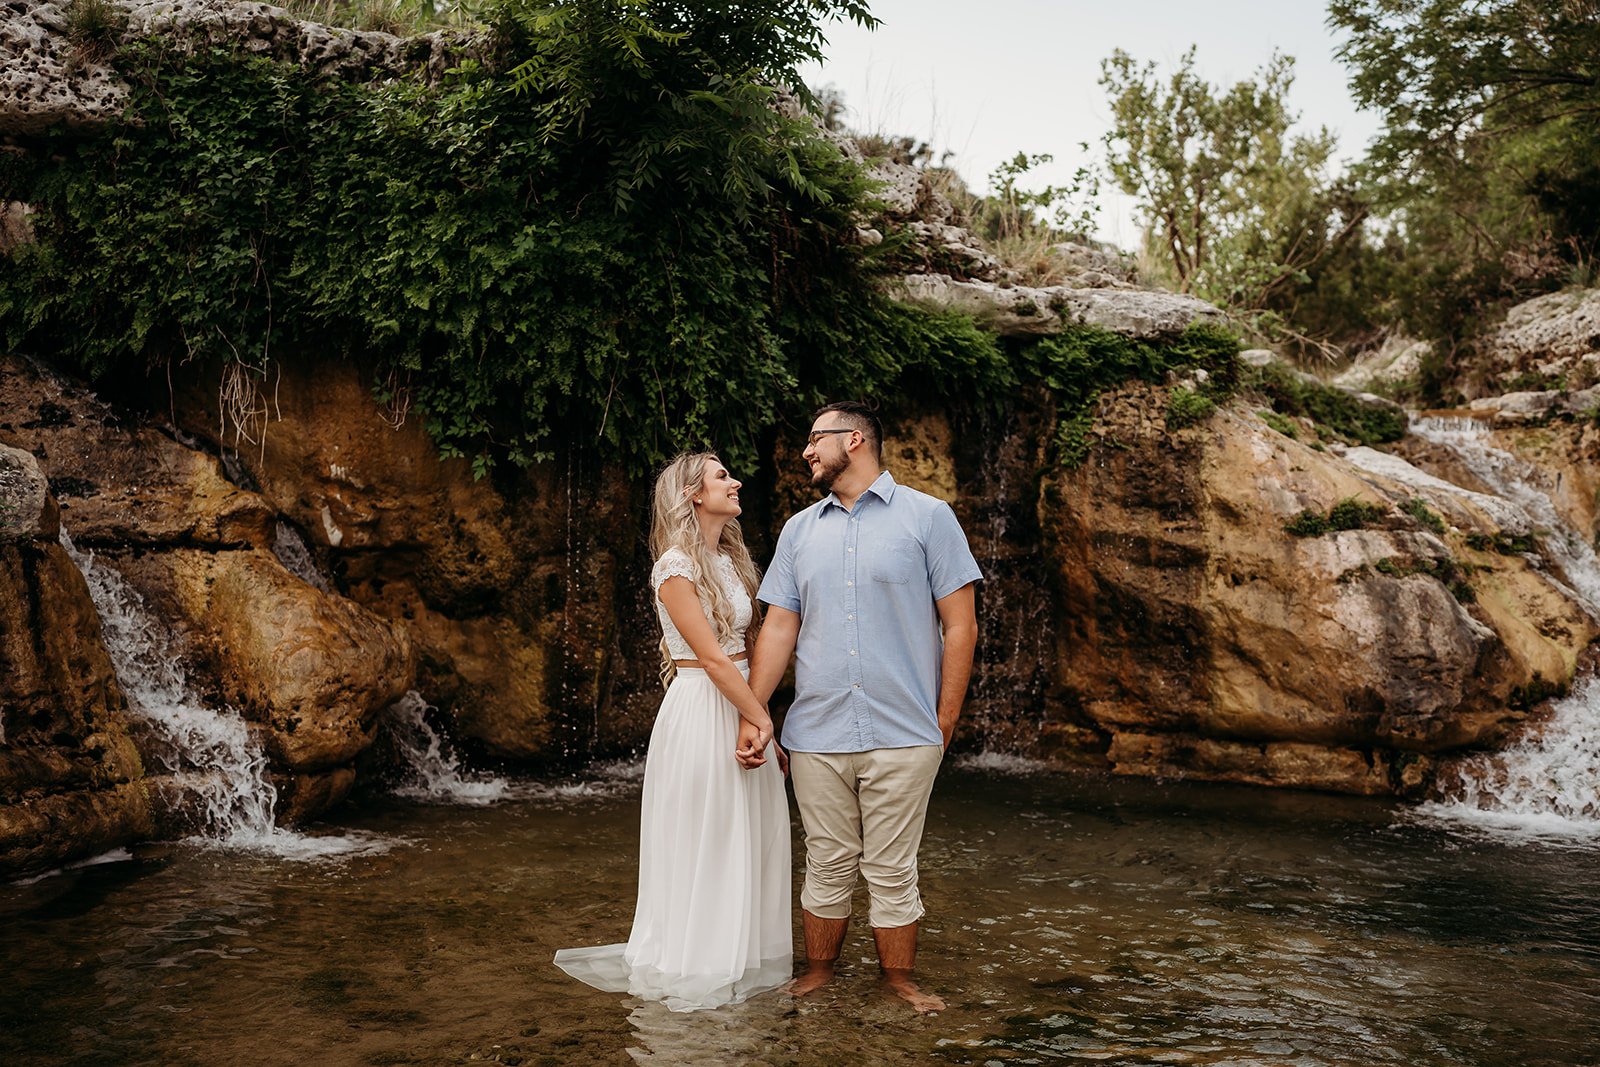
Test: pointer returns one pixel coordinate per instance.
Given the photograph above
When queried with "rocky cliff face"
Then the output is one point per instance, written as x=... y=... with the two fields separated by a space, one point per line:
x=71 y=781
x=1150 y=611
x=312 y=669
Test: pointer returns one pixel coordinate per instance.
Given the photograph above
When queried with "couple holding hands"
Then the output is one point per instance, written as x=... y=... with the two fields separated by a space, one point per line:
x=872 y=589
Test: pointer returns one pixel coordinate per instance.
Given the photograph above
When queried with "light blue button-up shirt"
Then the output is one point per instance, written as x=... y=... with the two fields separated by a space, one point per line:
x=870 y=648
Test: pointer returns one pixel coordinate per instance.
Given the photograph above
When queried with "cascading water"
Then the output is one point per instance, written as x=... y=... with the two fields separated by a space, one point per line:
x=1550 y=782
x=217 y=767
x=295 y=555
x=431 y=770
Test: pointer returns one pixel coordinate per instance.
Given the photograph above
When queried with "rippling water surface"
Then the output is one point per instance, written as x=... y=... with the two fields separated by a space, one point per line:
x=1070 y=919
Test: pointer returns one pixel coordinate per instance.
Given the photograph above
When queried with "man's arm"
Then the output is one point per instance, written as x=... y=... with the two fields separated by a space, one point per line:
x=774 y=645
x=959 y=616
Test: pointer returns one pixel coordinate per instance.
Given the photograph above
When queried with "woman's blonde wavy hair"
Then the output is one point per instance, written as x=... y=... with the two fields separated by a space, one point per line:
x=674 y=524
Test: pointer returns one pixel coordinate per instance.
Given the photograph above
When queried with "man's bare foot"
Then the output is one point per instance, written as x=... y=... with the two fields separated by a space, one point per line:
x=816 y=976
x=903 y=987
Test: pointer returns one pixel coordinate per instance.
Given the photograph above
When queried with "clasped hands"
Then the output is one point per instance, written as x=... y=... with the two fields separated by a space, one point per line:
x=752 y=747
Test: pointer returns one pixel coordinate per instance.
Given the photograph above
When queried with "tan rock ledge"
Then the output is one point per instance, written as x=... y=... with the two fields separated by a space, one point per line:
x=1023 y=311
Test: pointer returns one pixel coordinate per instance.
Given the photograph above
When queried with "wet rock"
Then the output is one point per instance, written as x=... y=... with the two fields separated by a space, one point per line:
x=1513 y=409
x=315 y=669
x=71 y=781
x=506 y=587
x=27 y=511
x=1189 y=612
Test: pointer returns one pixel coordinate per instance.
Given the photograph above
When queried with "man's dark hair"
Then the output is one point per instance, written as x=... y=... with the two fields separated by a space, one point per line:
x=857 y=416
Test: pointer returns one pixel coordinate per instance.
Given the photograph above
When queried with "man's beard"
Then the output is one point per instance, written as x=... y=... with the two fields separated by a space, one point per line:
x=828 y=472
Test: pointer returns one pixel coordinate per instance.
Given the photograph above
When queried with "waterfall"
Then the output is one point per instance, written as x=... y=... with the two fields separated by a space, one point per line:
x=217 y=767
x=295 y=555
x=1549 y=783
x=431 y=770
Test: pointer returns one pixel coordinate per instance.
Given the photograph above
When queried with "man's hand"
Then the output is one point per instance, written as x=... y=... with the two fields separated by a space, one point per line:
x=783 y=758
x=947 y=727
x=752 y=745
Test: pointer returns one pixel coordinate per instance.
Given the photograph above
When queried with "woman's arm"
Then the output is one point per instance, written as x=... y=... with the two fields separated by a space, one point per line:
x=683 y=605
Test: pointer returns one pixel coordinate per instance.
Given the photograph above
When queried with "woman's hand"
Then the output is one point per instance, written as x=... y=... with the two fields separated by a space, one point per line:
x=752 y=745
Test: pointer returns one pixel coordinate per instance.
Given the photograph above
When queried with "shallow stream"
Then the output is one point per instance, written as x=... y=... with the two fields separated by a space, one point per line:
x=1071 y=918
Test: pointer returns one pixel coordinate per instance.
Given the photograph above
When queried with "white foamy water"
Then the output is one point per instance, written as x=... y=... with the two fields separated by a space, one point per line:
x=217 y=766
x=432 y=772
x=1548 y=785
x=1001 y=763
x=1516 y=480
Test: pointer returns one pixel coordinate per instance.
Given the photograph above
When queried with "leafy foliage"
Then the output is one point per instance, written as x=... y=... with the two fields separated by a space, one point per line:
x=614 y=236
x=1237 y=209
x=1336 y=411
x=1348 y=514
x=1080 y=364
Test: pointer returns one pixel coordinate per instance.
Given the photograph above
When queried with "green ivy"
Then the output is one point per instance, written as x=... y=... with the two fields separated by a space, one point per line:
x=1082 y=362
x=605 y=236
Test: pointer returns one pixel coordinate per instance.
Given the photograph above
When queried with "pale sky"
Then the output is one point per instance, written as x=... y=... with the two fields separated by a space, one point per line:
x=990 y=78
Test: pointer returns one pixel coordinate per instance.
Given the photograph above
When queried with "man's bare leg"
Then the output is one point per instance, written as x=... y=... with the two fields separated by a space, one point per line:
x=897 y=956
x=824 y=939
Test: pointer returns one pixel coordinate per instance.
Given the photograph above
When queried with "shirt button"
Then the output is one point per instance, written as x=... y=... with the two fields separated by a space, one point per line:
x=849 y=550
x=852 y=618
x=858 y=685
x=849 y=583
x=852 y=651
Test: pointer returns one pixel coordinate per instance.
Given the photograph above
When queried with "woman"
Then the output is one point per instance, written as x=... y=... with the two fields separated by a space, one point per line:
x=711 y=925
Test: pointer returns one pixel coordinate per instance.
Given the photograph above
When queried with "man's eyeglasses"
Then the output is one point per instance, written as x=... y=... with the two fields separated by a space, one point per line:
x=816 y=435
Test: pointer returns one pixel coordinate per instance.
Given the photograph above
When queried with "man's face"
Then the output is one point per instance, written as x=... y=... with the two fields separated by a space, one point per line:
x=827 y=454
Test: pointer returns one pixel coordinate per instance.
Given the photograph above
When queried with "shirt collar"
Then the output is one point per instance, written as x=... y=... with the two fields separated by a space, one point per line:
x=882 y=487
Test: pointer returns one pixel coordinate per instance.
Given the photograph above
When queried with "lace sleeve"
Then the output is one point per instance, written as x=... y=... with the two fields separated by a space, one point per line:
x=672 y=564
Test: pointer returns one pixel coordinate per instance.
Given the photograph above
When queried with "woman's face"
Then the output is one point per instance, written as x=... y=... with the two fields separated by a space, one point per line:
x=719 y=495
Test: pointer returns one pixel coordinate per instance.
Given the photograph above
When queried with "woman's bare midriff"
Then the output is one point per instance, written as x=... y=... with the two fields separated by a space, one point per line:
x=737 y=657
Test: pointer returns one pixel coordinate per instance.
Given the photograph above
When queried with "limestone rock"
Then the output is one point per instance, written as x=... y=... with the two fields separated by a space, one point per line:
x=1513 y=409
x=507 y=587
x=1021 y=311
x=26 y=508
x=71 y=781
x=47 y=79
x=1552 y=339
x=315 y=669
x=1190 y=614
x=118 y=483
x=1395 y=364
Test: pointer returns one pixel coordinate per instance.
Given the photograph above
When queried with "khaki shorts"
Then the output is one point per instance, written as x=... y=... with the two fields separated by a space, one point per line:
x=864 y=811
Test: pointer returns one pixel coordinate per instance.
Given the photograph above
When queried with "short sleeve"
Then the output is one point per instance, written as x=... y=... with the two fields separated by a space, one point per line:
x=674 y=563
x=950 y=562
x=778 y=585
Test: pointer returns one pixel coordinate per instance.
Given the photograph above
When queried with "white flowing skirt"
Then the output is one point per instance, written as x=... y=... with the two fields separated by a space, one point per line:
x=712 y=922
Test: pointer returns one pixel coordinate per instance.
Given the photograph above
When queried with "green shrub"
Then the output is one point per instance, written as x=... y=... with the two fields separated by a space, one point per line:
x=1185 y=407
x=1353 y=514
x=1278 y=423
x=1503 y=543
x=1334 y=410
x=1418 y=509
x=1078 y=364
x=1347 y=514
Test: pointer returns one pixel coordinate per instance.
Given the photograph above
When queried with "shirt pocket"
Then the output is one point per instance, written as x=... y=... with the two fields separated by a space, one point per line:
x=896 y=560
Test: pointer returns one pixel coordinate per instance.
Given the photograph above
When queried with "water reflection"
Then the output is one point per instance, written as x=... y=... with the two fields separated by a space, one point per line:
x=1070 y=919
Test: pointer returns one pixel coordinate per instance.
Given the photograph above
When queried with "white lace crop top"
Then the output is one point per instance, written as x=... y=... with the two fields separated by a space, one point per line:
x=675 y=563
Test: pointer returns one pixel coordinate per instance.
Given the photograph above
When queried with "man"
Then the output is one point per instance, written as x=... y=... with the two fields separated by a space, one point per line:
x=862 y=583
